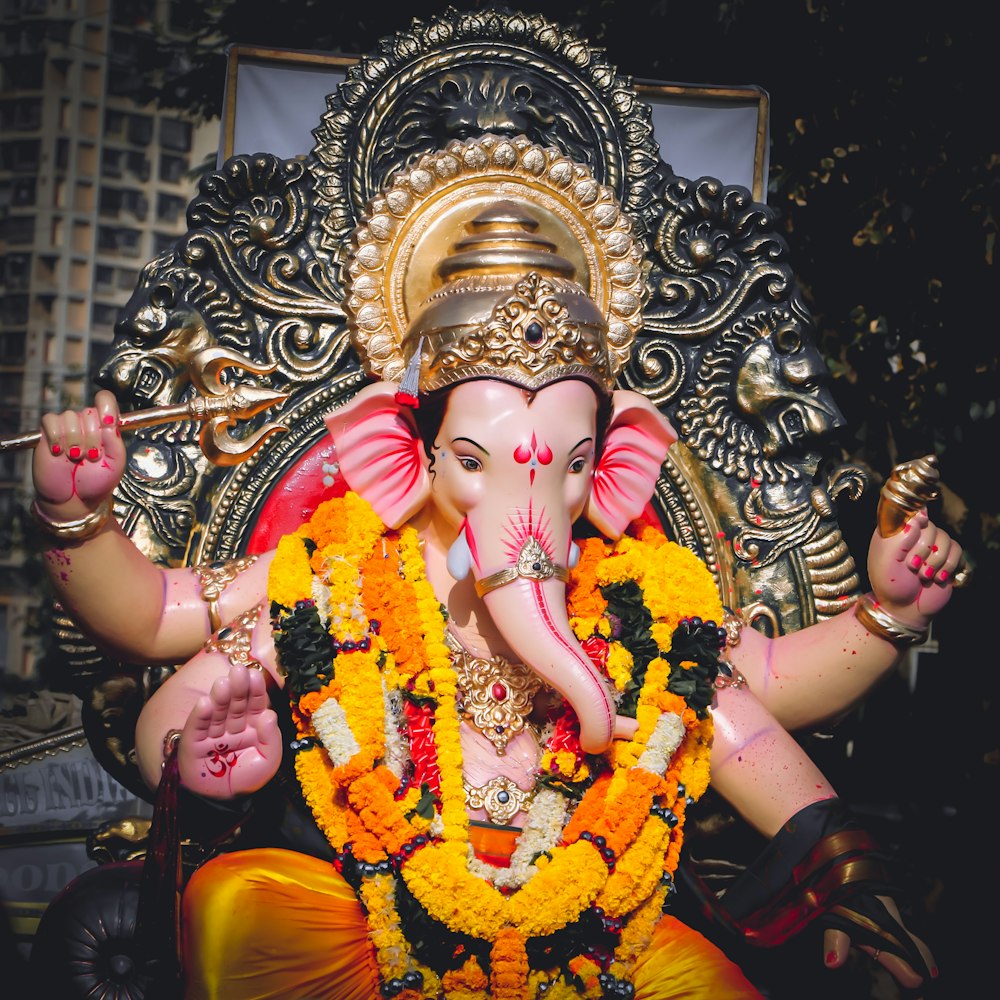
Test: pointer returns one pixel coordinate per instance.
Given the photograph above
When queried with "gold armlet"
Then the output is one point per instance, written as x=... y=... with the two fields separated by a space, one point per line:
x=728 y=675
x=214 y=578
x=77 y=530
x=875 y=619
x=235 y=640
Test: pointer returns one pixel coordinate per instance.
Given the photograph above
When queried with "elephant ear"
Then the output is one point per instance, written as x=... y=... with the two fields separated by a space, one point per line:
x=634 y=449
x=380 y=452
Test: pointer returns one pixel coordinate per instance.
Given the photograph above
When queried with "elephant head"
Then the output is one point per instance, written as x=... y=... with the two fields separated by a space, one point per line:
x=495 y=481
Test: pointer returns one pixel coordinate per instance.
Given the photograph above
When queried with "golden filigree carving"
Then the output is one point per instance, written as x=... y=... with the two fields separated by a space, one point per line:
x=213 y=578
x=233 y=641
x=502 y=799
x=496 y=695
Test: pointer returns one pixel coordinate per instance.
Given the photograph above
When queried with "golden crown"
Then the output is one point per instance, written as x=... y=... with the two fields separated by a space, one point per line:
x=494 y=258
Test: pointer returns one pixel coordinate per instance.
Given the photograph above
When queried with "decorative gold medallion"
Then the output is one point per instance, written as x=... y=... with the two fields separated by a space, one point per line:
x=234 y=640
x=496 y=696
x=533 y=563
x=213 y=578
x=501 y=798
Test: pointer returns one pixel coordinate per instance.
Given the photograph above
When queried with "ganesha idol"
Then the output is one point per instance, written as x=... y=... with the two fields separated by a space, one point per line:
x=507 y=686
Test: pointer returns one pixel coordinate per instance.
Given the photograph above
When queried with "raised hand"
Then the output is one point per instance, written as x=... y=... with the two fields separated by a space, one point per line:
x=912 y=573
x=230 y=744
x=80 y=458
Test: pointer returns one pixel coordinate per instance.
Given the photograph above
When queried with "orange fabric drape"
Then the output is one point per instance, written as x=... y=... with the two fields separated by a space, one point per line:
x=270 y=924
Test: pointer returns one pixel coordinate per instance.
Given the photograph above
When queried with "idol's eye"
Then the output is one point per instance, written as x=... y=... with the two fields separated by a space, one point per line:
x=578 y=464
x=470 y=464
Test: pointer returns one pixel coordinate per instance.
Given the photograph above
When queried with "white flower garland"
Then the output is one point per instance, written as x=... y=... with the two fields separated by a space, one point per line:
x=334 y=732
x=664 y=740
x=397 y=749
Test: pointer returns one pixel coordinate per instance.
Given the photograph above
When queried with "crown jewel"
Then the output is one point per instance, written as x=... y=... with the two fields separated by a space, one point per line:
x=509 y=308
x=494 y=257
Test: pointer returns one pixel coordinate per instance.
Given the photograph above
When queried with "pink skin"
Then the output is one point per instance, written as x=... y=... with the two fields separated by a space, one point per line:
x=231 y=744
x=83 y=460
x=910 y=571
x=493 y=434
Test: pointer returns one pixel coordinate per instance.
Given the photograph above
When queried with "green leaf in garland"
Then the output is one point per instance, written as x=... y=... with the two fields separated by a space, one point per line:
x=304 y=647
x=698 y=644
x=425 y=804
x=633 y=627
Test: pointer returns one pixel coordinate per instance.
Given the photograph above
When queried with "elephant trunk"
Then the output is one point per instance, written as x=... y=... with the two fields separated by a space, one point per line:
x=553 y=652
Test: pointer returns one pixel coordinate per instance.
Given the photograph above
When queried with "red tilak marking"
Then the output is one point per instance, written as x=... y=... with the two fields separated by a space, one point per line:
x=524 y=453
x=108 y=419
x=518 y=533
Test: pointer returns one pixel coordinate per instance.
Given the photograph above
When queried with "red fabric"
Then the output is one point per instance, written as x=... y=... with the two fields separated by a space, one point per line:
x=294 y=498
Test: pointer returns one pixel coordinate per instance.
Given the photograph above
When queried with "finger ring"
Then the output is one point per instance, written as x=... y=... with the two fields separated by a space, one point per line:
x=960 y=579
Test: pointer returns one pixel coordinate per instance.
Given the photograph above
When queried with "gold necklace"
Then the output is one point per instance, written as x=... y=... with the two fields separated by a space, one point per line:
x=495 y=695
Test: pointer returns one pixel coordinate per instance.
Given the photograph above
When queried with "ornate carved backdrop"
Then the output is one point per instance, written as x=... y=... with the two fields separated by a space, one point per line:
x=728 y=349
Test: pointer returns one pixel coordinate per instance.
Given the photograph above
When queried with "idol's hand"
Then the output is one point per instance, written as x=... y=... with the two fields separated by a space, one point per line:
x=912 y=572
x=230 y=744
x=879 y=931
x=79 y=459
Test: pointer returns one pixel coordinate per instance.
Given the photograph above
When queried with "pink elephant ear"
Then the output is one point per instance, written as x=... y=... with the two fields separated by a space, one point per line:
x=380 y=452
x=634 y=449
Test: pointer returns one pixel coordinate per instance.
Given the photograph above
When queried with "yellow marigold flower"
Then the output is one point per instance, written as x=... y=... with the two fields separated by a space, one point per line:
x=289 y=576
x=619 y=665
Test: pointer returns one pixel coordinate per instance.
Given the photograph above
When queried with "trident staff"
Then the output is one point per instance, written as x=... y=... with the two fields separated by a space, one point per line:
x=217 y=407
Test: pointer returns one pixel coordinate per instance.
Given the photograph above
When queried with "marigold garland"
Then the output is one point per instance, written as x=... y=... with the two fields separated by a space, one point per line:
x=366 y=586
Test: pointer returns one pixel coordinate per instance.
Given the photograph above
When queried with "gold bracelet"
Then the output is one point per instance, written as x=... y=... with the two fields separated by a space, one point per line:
x=77 y=530
x=875 y=619
x=214 y=578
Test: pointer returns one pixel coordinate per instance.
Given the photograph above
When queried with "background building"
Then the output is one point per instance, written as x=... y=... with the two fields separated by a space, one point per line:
x=92 y=185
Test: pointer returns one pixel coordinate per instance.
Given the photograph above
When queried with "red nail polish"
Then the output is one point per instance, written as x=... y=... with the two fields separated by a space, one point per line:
x=831 y=957
x=934 y=972
x=92 y=454
x=929 y=573
x=75 y=452
x=916 y=561
x=108 y=419
x=944 y=575
x=56 y=450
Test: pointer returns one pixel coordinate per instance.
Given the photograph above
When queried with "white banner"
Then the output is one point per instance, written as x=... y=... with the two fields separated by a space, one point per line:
x=275 y=98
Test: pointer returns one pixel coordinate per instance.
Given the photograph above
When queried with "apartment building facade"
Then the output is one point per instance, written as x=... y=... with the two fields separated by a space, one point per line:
x=92 y=185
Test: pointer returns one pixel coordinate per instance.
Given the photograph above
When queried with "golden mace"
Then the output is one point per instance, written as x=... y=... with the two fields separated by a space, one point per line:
x=911 y=486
